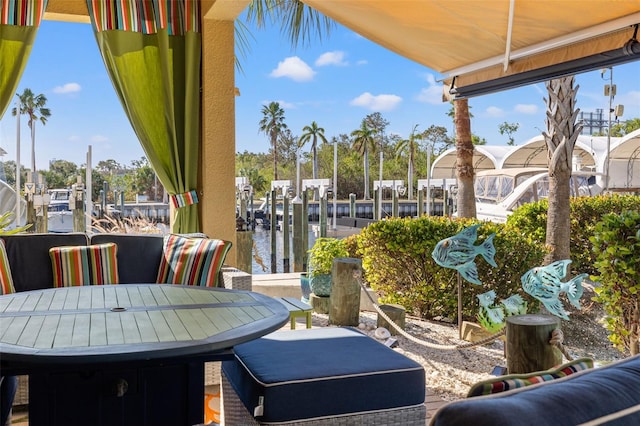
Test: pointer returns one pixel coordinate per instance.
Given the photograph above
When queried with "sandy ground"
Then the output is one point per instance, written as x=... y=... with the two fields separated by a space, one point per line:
x=450 y=372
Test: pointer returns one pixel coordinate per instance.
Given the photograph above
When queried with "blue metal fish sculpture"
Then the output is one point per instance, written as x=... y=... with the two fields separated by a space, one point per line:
x=494 y=314
x=492 y=317
x=544 y=284
x=514 y=305
x=459 y=252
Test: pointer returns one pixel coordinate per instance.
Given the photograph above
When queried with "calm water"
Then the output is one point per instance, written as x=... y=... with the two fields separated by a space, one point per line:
x=262 y=239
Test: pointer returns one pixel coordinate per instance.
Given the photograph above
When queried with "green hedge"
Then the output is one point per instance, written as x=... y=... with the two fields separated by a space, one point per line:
x=396 y=257
x=531 y=219
x=616 y=245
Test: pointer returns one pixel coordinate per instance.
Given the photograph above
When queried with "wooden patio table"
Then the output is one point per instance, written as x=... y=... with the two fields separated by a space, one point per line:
x=128 y=354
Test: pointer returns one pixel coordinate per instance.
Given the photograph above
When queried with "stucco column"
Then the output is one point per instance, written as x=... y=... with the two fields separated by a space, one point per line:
x=217 y=162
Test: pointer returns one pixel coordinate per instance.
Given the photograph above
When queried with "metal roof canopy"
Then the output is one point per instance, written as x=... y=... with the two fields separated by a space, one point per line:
x=485 y=157
x=485 y=46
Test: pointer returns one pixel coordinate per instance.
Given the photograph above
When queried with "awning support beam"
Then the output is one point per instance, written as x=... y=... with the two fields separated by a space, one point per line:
x=507 y=53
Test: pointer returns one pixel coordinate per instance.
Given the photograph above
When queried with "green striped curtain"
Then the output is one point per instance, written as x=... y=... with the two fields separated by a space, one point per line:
x=152 y=52
x=19 y=22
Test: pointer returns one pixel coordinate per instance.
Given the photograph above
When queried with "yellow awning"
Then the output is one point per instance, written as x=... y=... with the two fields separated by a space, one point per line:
x=472 y=40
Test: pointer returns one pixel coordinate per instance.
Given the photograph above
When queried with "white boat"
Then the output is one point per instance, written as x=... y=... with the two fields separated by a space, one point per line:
x=59 y=214
x=500 y=191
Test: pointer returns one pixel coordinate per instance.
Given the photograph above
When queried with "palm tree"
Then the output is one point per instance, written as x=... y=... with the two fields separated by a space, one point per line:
x=410 y=146
x=313 y=133
x=560 y=137
x=34 y=107
x=273 y=124
x=363 y=141
x=464 y=159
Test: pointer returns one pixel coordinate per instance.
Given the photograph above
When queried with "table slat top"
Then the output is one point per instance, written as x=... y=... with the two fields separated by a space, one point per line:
x=132 y=321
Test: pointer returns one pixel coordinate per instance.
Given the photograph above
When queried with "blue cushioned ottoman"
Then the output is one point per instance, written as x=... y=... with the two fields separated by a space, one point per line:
x=324 y=375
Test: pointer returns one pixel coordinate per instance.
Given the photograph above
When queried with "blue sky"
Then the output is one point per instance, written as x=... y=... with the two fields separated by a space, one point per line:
x=336 y=83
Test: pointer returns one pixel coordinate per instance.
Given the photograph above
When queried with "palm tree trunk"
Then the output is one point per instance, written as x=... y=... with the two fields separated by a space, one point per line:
x=367 y=196
x=560 y=137
x=33 y=149
x=315 y=162
x=464 y=159
x=410 y=177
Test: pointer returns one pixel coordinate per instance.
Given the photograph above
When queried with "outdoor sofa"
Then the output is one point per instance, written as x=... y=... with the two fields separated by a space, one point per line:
x=607 y=395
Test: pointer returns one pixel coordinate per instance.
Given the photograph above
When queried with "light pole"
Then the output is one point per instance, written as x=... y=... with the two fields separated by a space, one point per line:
x=609 y=90
x=429 y=149
x=380 y=190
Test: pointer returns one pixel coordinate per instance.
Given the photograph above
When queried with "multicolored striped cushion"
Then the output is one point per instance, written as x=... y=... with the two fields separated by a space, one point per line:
x=84 y=265
x=514 y=381
x=6 y=280
x=193 y=261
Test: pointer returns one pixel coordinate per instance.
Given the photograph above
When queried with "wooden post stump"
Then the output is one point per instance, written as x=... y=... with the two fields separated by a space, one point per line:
x=528 y=347
x=320 y=304
x=344 y=305
x=244 y=248
x=396 y=313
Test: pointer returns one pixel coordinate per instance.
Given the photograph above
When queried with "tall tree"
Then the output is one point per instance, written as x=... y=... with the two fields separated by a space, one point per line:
x=410 y=147
x=33 y=106
x=313 y=133
x=287 y=147
x=560 y=136
x=272 y=124
x=509 y=129
x=464 y=159
x=61 y=174
x=363 y=142
x=438 y=139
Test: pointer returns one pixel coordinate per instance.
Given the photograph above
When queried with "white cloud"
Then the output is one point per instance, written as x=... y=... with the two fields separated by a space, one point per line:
x=99 y=138
x=331 y=58
x=529 y=109
x=67 y=88
x=493 y=111
x=294 y=68
x=362 y=62
x=431 y=94
x=377 y=102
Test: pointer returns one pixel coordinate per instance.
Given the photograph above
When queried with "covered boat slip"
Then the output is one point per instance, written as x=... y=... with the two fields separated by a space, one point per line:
x=589 y=154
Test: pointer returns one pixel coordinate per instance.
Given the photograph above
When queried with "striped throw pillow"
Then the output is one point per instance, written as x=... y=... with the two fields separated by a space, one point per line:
x=6 y=280
x=84 y=265
x=514 y=381
x=193 y=261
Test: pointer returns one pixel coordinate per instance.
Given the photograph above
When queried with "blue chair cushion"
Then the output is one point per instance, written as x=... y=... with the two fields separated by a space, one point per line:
x=305 y=374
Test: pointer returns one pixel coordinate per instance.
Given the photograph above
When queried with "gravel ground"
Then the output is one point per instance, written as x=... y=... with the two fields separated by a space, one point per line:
x=450 y=372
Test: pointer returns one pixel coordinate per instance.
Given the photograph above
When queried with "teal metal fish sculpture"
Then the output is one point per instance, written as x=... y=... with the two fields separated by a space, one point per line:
x=495 y=314
x=514 y=305
x=544 y=283
x=459 y=253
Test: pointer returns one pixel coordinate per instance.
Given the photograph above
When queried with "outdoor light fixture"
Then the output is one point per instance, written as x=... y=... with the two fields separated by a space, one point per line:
x=628 y=53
